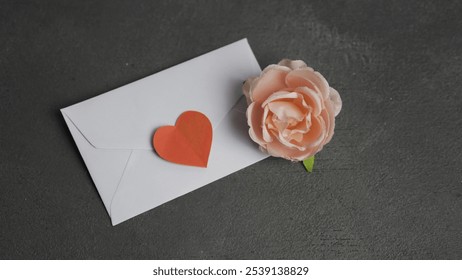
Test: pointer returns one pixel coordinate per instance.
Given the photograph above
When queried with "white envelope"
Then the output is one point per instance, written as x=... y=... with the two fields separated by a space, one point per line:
x=113 y=131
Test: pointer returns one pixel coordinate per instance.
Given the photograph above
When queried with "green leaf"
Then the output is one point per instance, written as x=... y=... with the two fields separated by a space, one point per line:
x=309 y=163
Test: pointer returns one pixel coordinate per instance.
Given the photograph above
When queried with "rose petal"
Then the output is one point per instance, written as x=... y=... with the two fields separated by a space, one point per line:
x=278 y=95
x=286 y=142
x=303 y=126
x=286 y=111
x=316 y=135
x=276 y=149
x=312 y=98
x=270 y=124
x=307 y=77
x=292 y=64
x=296 y=136
x=272 y=79
x=280 y=125
x=254 y=114
x=266 y=135
x=334 y=97
x=246 y=88
x=304 y=155
x=287 y=136
x=291 y=97
x=328 y=115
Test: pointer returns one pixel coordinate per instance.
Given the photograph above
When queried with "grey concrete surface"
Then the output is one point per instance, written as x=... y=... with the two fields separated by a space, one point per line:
x=388 y=186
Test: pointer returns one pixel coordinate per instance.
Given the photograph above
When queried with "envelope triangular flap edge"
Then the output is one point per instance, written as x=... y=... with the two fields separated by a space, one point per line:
x=126 y=117
x=106 y=167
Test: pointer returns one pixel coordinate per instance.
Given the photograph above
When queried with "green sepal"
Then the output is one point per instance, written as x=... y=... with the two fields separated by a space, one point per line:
x=309 y=163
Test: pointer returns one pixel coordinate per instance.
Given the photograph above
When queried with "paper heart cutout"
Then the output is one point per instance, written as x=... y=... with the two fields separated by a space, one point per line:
x=188 y=142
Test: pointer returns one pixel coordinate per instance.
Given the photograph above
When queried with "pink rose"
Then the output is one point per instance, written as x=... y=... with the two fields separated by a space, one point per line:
x=291 y=110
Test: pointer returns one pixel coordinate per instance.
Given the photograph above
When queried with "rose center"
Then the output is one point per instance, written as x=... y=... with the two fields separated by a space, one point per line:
x=288 y=120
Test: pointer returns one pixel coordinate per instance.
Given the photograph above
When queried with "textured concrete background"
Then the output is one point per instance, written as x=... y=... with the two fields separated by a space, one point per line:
x=389 y=185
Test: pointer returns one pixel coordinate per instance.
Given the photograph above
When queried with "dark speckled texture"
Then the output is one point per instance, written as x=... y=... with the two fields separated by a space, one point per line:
x=389 y=185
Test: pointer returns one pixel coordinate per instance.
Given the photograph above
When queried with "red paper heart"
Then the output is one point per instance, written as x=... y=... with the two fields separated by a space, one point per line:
x=188 y=142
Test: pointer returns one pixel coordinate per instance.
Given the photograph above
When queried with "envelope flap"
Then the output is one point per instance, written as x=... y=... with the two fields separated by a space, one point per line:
x=126 y=118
